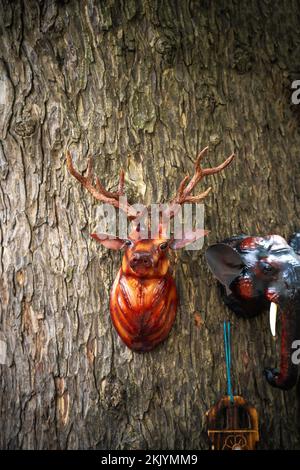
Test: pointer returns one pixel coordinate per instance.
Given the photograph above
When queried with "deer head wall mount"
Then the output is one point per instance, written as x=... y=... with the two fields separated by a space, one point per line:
x=143 y=299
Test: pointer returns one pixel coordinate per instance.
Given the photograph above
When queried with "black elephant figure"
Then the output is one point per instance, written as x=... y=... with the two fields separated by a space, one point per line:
x=257 y=273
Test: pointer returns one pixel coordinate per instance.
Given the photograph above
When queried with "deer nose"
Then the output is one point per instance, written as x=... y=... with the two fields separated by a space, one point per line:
x=141 y=258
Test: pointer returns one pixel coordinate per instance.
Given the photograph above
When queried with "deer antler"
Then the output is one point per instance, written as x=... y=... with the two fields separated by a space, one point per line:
x=188 y=184
x=98 y=191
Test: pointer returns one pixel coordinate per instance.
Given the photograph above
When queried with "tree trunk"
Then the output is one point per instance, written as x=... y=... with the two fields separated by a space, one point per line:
x=141 y=85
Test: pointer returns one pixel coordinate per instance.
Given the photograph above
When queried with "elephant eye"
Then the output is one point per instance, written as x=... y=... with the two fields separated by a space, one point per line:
x=267 y=268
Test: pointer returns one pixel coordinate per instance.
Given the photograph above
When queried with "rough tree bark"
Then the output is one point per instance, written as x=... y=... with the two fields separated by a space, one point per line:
x=141 y=85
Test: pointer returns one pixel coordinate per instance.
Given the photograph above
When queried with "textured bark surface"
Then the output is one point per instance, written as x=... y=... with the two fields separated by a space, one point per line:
x=143 y=85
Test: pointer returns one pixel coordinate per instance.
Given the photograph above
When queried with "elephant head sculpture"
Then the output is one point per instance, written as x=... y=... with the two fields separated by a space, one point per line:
x=257 y=273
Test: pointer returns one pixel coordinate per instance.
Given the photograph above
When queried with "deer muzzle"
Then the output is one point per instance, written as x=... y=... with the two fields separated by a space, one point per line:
x=141 y=259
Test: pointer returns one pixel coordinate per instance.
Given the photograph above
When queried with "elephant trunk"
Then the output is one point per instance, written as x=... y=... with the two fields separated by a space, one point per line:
x=286 y=377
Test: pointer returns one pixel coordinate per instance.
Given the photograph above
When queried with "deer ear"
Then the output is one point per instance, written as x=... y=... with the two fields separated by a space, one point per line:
x=109 y=241
x=225 y=263
x=189 y=237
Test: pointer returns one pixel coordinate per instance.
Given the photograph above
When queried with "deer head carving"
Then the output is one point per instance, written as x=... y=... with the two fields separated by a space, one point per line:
x=143 y=298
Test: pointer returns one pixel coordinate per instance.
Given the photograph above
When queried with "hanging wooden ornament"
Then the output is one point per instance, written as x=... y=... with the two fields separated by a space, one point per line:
x=232 y=424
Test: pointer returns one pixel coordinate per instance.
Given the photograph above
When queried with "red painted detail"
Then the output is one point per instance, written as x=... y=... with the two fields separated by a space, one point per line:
x=250 y=243
x=272 y=295
x=245 y=288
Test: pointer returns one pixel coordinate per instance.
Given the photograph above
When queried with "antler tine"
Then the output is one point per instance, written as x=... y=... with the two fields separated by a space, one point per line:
x=98 y=191
x=104 y=191
x=188 y=184
x=212 y=171
x=72 y=170
x=121 y=183
x=200 y=157
x=182 y=185
x=199 y=197
x=200 y=173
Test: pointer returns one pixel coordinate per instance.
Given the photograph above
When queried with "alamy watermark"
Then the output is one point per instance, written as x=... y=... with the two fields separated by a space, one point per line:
x=296 y=353
x=296 y=93
x=168 y=221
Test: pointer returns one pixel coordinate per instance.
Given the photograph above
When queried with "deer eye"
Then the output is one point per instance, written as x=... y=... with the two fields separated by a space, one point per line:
x=163 y=245
x=128 y=243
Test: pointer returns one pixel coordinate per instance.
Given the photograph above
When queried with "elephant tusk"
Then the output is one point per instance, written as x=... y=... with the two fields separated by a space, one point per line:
x=273 y=314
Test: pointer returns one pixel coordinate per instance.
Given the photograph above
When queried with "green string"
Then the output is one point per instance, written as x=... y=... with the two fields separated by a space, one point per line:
x=228 y=359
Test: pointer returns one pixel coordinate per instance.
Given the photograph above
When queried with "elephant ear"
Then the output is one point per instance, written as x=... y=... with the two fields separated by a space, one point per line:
x=225 y=263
